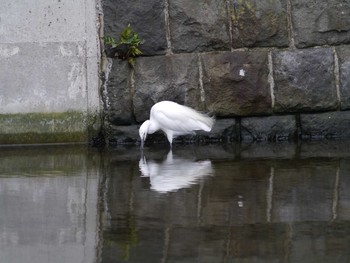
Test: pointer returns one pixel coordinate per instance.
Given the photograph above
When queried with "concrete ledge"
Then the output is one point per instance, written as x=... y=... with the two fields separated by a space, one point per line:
x=43 y=128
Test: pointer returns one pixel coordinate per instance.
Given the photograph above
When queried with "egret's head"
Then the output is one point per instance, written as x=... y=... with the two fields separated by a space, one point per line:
x=143 y=131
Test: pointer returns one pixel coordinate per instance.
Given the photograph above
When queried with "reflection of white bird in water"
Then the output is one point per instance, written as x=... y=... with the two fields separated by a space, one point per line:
x=174 y=173
x=174 y=120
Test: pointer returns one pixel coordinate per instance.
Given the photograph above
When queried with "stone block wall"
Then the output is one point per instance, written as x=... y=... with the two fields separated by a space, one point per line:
x=270 y=70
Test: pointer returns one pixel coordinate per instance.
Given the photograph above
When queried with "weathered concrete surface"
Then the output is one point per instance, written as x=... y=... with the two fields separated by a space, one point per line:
x=344 y=79
x=46 y=21
x=43 y=127
x=52 y=82
x=321 y=22
x=236 y=83
x=198 y=27
x=49 y=64
x=259 y=23
x=144 y=17
x=304 y=80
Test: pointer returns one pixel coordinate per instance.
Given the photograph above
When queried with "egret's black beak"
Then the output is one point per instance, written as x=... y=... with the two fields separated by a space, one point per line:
x=143 y=139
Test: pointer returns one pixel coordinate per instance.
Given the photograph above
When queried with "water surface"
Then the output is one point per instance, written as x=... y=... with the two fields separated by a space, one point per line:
x=213 y=203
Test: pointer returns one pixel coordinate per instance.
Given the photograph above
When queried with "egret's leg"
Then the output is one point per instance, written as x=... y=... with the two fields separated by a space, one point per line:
x=169 y=135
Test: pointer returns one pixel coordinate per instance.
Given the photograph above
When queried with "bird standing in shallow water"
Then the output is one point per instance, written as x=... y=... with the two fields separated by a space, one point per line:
x=174 y=120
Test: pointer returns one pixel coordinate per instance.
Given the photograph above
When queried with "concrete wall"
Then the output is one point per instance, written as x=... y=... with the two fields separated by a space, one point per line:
x=49 y=59
x=268 y=70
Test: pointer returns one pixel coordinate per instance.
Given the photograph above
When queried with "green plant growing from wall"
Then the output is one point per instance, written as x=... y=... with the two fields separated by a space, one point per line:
x=127 y=47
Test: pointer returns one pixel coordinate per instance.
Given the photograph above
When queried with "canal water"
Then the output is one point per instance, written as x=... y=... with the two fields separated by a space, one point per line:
x=196 y=203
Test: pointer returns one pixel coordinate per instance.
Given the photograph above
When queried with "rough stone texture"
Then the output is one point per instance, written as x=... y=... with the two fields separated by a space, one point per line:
x=224 y=130
x=119 y=109
x=304 y=80
x=329 y=125
x=236 y=83
x=271 y=128
x=344 y=67
x=160 y=78
x=321 y=22
x=145 y=18
x=259 y=23
x=198 y=26
x=123 y=135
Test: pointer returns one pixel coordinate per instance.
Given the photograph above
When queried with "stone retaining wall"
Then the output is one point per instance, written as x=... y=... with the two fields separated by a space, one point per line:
x=268 y=70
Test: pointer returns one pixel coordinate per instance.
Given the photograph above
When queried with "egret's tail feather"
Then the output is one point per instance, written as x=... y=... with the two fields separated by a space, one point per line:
x=204 y=121
x=207 y=123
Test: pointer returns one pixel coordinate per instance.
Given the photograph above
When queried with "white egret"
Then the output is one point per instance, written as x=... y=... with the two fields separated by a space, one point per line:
x=174 y=120
x=174 y=173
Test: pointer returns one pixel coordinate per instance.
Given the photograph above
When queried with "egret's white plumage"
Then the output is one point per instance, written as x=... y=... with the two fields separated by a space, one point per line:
x=174 y=120
x=174 y=173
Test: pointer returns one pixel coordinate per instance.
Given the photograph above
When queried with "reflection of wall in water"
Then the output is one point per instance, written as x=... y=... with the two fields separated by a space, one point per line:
x=266 y=209
x=43 y=209
x=50 y=213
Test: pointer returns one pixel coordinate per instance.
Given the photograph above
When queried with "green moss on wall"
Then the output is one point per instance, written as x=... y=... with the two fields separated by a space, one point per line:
x=43 y=128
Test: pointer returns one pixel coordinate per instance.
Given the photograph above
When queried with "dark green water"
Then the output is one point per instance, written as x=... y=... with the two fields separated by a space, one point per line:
x=235 y=203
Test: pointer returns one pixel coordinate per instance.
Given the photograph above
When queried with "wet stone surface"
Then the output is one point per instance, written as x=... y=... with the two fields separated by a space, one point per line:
x=259 y=23
x=236 y=83
x=199 y=27
x=344 y=67
x=321 y=23
x=304 y=80
x=329 y=125
x=271 y=128
x=118 y=107
x=163 y=77
x=144 y=17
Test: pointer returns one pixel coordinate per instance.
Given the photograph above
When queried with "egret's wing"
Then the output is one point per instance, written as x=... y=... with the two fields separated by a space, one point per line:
x=181 y=119
x=182 y=173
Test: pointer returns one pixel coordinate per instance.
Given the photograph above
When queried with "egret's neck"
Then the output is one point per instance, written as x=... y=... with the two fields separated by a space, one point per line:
x=153 y=127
